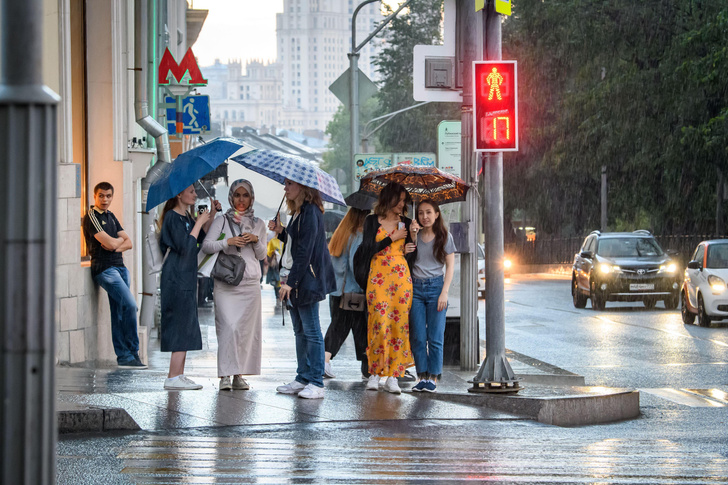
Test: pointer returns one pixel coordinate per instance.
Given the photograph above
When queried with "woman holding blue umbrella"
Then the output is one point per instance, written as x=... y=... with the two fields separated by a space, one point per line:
x=181 y=236
x=307 y=276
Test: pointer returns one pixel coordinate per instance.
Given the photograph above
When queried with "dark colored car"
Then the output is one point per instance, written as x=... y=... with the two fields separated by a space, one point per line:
x=624 y=266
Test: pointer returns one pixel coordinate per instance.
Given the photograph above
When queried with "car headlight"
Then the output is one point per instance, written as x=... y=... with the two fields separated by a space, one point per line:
x=717 y=285
x=670 y=268
x=606 y=268
x=507 y=264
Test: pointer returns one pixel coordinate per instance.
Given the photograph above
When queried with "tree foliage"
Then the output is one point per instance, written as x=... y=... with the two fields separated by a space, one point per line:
x=414 y=130
x=339 y=131
x=637 y=87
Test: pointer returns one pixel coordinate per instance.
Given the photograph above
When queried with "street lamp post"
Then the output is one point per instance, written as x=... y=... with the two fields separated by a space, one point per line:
x=28 y=258
x=354 y=81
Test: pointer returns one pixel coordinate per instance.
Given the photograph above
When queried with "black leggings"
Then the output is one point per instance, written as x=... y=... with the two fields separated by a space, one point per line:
x=343 y=321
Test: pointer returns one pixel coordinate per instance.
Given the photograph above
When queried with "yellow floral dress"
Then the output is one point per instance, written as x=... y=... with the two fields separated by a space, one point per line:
x=389 y=298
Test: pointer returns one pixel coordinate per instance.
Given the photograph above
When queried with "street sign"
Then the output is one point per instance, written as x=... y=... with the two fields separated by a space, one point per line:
x=495 y=110
x=188 y=66
x=341 y=87
x=449 y=144
x=195 y=115
x=503 y=7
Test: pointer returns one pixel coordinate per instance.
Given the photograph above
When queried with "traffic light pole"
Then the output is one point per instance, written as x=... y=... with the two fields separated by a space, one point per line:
x=495 y=374
x=467 y=34
x=354 y=81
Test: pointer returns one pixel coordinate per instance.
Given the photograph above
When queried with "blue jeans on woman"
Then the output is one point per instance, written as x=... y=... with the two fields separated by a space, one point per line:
x=309 y=344
x=123 y=309
x=427 y=325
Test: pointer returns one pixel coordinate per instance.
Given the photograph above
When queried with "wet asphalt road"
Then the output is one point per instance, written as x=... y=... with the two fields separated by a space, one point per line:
x=681 y=437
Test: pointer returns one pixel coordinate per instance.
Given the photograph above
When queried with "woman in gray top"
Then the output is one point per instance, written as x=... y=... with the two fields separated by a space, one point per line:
x=431 y=277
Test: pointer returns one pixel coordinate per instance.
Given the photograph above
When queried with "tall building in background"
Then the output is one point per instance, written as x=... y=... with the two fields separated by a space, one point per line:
x=292 y=94
x=314 y=37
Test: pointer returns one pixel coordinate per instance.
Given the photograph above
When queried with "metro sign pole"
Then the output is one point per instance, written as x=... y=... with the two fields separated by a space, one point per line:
x=495 y=130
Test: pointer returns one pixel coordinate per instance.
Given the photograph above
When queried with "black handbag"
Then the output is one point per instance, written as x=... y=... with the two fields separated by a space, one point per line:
x=229 y=268
x=354 y=302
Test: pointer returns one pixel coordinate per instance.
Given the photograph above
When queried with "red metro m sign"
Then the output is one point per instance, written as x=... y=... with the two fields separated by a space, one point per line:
x=495 y=110
x=187 y=66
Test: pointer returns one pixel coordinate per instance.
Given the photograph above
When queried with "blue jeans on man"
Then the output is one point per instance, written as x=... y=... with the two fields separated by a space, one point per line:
x=427 y=326
x=309 y=344
x=115 y=281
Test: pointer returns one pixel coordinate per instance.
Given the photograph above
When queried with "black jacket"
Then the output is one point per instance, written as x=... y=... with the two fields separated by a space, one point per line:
x=312 y=275
x=370 y=247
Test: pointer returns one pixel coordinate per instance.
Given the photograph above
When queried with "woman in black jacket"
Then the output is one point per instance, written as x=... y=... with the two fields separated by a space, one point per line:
x=306 y=278
x=388 y=246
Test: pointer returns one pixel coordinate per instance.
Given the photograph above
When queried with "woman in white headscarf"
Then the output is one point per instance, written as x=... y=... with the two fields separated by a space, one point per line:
x=238 y=319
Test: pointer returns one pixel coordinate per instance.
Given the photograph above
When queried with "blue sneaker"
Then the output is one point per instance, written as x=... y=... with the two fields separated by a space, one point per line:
x=420 y=386
x=429 y=386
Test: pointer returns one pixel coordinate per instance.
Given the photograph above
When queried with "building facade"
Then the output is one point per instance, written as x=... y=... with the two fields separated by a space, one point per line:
x=238 y=100
x=88 y=59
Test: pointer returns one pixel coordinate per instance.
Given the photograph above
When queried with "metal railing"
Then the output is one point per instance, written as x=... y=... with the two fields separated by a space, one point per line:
x=558 y=250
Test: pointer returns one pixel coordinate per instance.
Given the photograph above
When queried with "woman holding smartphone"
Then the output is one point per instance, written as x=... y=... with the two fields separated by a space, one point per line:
x=238 y=317
x=182 y=235
x=388 y=240
x=431 y=278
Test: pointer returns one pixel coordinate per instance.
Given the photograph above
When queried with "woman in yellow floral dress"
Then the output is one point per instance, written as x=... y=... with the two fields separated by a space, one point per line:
x=389 y=287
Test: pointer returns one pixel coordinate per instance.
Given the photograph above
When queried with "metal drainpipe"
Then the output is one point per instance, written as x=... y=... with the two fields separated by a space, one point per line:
x=161 y=137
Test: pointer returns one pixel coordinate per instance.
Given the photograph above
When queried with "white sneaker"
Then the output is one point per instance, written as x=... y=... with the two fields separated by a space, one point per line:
x=327 y=370
x=181 y=383
x=225 y=384
x=240 y=384
x=392 y=386
x=312 y=392
x=291 y=388
x=373 y=383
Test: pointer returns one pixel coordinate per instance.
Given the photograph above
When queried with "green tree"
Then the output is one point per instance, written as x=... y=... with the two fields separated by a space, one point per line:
x=637 y=87
x=414 y=130
x=339 y=131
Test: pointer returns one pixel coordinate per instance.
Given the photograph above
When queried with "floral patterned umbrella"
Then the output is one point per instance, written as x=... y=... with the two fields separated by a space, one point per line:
x=421 y=182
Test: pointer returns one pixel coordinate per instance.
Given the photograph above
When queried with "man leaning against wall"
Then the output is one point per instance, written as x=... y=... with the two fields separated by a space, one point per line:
x=107 y=240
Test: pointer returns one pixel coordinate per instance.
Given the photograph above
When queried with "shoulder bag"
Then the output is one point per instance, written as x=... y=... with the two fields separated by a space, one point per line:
x=354 y=302
x=229 y=268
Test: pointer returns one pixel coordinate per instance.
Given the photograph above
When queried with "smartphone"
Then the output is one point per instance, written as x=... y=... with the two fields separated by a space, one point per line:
x=201 y=208
x=400 y=225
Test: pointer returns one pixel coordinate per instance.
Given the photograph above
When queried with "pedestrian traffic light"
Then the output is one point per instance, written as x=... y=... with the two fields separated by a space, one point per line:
x=495 y=109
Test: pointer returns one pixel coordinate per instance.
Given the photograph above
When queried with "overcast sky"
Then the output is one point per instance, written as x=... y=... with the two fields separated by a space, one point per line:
x=237 y=29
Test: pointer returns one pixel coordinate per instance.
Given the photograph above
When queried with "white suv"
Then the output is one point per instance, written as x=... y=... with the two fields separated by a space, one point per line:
x=704 y=287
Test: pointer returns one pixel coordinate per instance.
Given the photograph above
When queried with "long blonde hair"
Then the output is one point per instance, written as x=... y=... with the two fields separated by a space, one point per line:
x=307 y=194
x=352 y=223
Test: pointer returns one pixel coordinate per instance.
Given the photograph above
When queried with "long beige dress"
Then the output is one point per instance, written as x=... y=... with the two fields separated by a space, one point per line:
x=238 y=318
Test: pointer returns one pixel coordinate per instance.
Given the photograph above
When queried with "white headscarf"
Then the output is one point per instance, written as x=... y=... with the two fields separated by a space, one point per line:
x=246 y=220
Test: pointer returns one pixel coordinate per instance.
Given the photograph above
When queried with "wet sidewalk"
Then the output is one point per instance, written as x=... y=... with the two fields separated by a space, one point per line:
x=114 y=399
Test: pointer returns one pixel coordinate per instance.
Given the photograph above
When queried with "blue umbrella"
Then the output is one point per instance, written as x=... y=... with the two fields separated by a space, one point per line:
x=280 y=166
x=191 y=166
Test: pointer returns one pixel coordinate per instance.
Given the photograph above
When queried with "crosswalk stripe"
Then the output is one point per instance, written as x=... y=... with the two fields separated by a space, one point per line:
x=696 y=398
x=199 y=460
